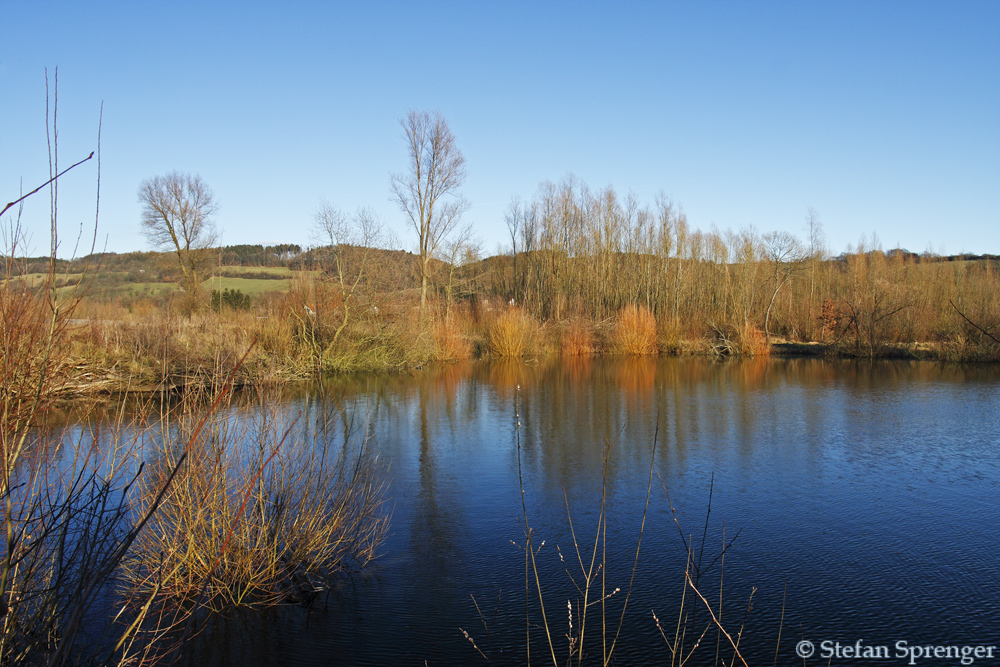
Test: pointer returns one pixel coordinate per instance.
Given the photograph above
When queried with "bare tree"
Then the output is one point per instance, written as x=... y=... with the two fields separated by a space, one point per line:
x=177 y=214
x=817 y=244
x=429 y=192
x=351 y=240
x=783 y=254
x=515 y=219
x=463 y=249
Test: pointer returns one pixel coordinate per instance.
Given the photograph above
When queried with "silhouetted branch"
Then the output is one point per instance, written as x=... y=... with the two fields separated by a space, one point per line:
x=18 y=201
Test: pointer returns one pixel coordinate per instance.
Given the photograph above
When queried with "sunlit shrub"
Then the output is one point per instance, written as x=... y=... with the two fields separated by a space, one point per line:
x=511 y=333
x=634 y=332
x=577 y=340
x=451 y=340
x=256 y=517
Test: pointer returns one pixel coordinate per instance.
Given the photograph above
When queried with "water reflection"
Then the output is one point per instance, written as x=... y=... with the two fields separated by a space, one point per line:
x=868 y=487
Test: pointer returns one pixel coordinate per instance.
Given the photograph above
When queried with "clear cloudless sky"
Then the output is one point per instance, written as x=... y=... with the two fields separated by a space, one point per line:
x=883 y=116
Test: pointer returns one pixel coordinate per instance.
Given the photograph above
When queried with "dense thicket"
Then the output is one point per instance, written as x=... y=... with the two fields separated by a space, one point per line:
x=578 y=253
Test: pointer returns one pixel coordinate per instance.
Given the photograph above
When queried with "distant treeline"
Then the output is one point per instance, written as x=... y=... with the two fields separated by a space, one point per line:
x=579 y=253
x=294 y=257
x=285 y=254
x=259 y=255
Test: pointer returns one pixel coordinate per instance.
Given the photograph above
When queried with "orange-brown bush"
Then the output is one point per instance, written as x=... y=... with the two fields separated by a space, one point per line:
x=752 y=342
x=577 y=340
x=634 y=332
x=512 y=333
x=451 y=340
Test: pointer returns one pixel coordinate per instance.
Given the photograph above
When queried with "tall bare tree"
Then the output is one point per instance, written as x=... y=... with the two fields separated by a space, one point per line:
x=783 y=255
x=817 y=243
x=460 y=251
x=177 y=212
x=429 y=191
x=350 y=241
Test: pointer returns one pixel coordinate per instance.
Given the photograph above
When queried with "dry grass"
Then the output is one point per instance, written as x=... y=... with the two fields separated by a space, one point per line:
x=634 y=332
x=512 y=333
x=147 y=349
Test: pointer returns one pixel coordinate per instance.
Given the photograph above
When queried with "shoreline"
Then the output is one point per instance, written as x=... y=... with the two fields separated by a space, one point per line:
x=89 y=379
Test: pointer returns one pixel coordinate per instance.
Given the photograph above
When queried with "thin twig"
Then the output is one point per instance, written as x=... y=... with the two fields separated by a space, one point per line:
x=715 y=620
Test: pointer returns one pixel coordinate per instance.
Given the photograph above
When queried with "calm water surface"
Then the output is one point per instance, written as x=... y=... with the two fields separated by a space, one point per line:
x=866 y=494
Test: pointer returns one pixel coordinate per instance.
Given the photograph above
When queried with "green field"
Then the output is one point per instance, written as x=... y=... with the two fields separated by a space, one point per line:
x=139 y=289
x=272 y=270
x=276 y=271
x=116 y=284
x=249 y=286
x=39 y=279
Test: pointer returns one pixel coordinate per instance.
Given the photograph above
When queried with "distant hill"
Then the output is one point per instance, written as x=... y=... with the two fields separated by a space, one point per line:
x=253 y=269
x=257 y=269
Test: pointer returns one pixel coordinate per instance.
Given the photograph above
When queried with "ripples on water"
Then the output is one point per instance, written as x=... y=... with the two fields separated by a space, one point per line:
x=868 y=490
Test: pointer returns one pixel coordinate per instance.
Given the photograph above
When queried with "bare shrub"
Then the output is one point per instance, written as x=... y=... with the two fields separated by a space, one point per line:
x=577 y=339
x=451 y=340
x=257 y=517
x=511 y=333
x=634 y=332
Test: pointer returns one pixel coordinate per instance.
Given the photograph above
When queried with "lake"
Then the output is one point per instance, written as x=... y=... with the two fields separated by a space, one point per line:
x=863 y=497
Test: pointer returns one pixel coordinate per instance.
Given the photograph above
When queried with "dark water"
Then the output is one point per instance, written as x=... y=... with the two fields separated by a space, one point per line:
x=866 y=496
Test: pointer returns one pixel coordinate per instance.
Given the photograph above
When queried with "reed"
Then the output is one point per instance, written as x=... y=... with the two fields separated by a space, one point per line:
x=595 y=612
x=257 y=516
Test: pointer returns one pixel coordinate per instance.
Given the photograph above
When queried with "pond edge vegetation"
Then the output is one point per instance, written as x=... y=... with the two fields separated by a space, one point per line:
x=123 y=536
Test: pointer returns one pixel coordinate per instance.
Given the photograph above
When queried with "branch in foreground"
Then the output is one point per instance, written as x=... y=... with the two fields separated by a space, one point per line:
x=18 y=201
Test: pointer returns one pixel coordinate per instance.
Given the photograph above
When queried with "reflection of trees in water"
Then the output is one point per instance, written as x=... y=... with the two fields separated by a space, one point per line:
x=712 y=415
x=508 y=374
x=441 y=413
x=635 y=374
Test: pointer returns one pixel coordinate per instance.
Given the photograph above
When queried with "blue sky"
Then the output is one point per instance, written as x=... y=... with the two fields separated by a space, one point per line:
x=883 y=116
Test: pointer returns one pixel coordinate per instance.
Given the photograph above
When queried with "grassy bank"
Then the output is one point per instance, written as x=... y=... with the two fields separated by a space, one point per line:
x=145 y=346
